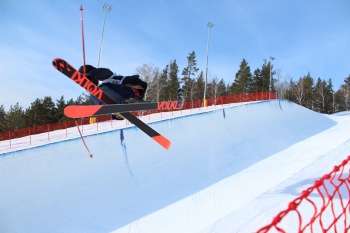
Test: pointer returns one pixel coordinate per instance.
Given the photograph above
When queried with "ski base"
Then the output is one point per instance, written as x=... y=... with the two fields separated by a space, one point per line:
x=80 y=111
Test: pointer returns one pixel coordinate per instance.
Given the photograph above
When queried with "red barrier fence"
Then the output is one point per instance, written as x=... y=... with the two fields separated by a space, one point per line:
x=12 y=134
x=324 y=207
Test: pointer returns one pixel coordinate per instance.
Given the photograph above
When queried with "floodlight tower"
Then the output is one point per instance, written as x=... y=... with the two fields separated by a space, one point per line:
x=271 y=58
x=106 y=8
x=209 y=25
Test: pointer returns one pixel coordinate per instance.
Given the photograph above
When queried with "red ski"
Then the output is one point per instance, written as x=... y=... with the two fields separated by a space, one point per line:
x=79 y=111
x=68 y=70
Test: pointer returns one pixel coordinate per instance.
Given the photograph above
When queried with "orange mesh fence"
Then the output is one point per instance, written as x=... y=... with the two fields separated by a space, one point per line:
x=24 y=132
x=19 y=133
x=324 y=207
x=238 y=98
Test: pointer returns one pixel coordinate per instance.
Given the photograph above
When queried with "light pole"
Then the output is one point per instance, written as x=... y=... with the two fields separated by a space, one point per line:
x=107 y=9
x=209 y=25
x=270 y=86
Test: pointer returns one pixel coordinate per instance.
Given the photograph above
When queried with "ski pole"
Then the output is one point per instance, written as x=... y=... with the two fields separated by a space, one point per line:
x=82 y=35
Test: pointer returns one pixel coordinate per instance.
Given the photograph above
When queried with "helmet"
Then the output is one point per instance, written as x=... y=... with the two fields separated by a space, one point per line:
x=88 y=68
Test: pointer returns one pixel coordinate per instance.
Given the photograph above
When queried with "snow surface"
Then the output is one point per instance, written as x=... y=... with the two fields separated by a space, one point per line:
x=230 y=169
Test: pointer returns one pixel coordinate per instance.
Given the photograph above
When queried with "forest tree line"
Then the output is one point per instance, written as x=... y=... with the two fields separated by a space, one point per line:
x=315 y=94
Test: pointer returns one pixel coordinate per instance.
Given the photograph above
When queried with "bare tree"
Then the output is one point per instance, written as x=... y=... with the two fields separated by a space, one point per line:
x=282 y=85
x=297 y=90
x=346 y=93
x=150 y=74
x=213 y=88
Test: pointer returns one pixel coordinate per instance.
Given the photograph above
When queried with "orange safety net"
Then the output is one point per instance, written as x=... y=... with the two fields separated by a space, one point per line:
x=12 y=134
x=323 y=207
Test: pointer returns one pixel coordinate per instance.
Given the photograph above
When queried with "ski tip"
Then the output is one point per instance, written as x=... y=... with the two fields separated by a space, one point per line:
x=54 y=62
x=162 y=141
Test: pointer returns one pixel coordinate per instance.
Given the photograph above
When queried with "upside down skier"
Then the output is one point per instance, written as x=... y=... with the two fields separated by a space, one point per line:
x=123 y=89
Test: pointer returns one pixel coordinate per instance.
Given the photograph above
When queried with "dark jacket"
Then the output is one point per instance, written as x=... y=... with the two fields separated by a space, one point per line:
x=106 y=75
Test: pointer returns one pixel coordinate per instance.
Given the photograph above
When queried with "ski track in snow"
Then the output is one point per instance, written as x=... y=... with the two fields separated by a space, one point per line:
x=230 y=169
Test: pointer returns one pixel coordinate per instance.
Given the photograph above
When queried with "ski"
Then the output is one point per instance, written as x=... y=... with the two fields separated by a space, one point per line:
x=79 y=111
x=68 y=70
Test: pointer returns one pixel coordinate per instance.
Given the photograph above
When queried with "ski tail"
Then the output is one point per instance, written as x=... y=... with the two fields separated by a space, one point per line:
x=162 y=141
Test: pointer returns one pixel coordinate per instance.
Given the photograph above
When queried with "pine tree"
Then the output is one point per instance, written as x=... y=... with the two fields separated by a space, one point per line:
x=329 y=109
x=199 y=86
x=163 y=82
x=3 y=119
x=308 y=84
x=59 y=113
x=191 y=68
x=174 y=83
x=345 y=93
x=71 y=102
x=243 y=82
x=82 y=99
x=290 y=92
x=212 y=89
x=15 y=117
x=267 y=74
x=347 y=81
x=49 y=110
x=189 y=83
x=32 y=116
x=41 y=112
x=256 y=82
x=222 y=90
x=342 y=99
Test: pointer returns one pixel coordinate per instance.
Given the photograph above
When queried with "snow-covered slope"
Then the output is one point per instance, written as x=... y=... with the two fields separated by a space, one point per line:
x=220 y=163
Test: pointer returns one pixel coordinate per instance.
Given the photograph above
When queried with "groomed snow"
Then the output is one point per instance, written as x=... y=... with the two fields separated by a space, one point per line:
x=230 y=169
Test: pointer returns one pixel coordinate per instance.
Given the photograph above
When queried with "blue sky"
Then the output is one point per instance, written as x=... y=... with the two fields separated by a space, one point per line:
x=303 y=36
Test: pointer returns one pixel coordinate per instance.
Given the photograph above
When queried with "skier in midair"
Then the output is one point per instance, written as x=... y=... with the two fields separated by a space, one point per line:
x=123 y=89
